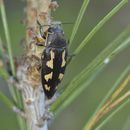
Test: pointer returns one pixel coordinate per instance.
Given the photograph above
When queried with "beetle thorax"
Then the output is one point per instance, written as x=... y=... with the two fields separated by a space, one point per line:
x=56 y=40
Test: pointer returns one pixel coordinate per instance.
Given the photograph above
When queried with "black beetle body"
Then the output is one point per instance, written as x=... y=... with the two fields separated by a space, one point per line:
x=54 y=59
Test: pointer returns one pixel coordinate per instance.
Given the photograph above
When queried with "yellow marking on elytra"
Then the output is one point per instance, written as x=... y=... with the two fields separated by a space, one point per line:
x=50 y=62
x=63 y=59
x=47 y=87
x=60 y=76
x=48 y=76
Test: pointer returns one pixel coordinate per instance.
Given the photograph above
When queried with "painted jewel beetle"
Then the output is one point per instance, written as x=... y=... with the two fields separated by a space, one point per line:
x=54 y=59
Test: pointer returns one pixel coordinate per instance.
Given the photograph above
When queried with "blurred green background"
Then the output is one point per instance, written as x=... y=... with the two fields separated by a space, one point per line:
x=77 y=114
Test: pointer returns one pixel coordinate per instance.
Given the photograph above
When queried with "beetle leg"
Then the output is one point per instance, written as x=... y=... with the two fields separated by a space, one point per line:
x=70 y=57
x=50 y=101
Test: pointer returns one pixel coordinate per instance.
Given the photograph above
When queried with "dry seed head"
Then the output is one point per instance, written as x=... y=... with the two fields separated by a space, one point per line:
x=43 y=16
x=33 y=76
x=53 y=5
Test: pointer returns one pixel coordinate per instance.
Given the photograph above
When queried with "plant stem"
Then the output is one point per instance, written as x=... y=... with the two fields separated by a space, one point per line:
x=34 y=98
x=6 y=100
x=98 y=110
x=13 y=90
x=99 y=25
x=7 y=36
x=78 y=20
x=112 y=114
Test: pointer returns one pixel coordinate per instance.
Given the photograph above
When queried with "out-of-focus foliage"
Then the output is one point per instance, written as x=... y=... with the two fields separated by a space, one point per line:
x=76 y=115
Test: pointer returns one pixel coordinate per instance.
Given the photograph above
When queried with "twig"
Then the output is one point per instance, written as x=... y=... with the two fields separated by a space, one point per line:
x=19 y=112
x=28 y=75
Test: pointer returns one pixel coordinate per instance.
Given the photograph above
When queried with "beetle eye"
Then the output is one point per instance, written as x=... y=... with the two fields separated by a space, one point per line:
x=50 y=30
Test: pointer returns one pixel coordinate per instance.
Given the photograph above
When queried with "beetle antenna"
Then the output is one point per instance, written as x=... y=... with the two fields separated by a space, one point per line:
x=40 y=26
x=67 y=23
x=53 y=23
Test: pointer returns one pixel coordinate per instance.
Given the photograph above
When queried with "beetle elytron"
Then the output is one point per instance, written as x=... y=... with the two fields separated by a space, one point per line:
x=54 y=59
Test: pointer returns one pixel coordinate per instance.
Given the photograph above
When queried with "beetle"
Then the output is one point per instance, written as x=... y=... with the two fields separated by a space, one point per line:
x=54 y=59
